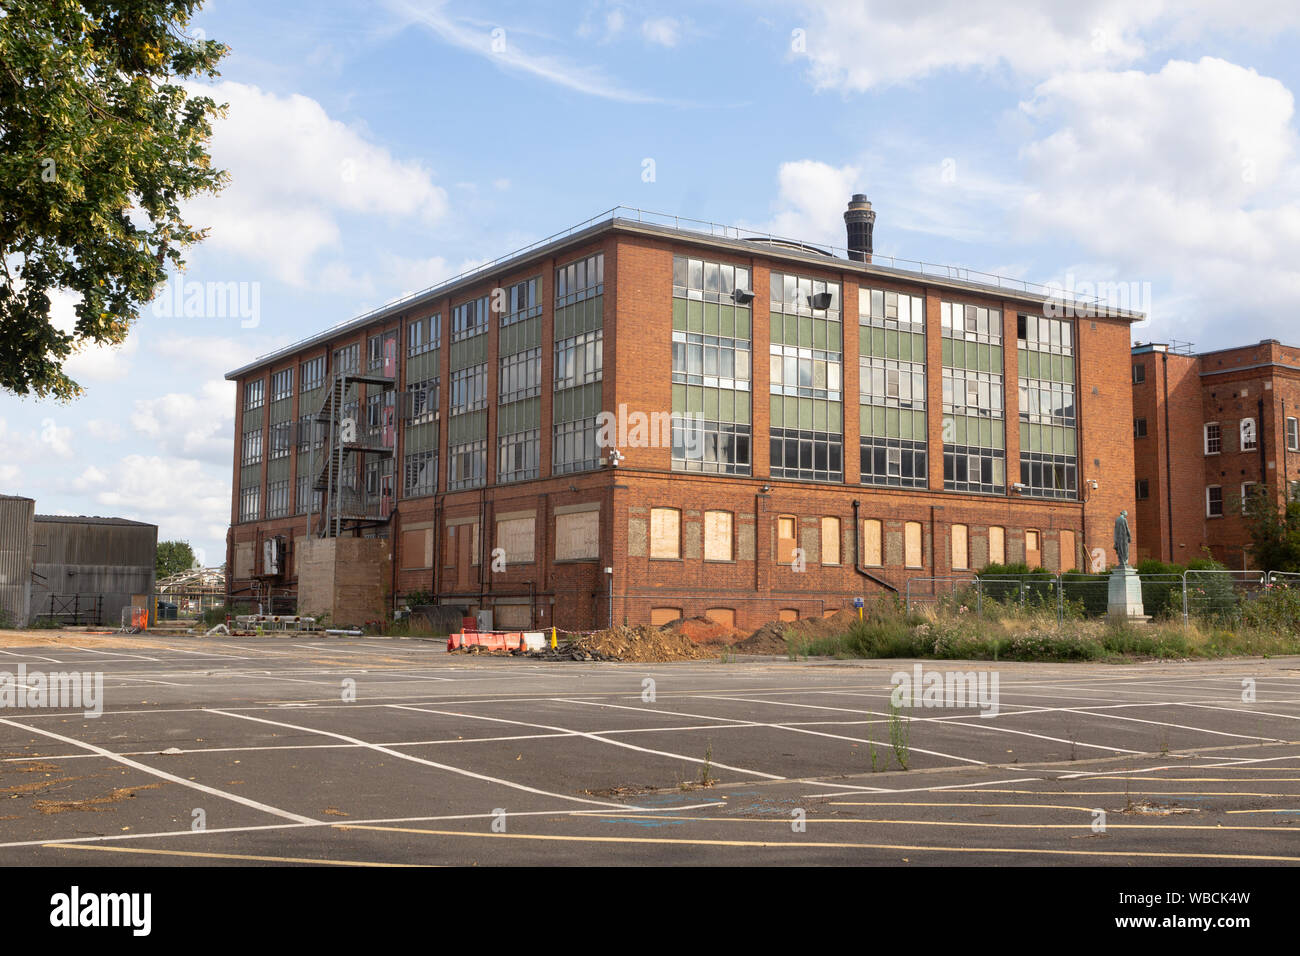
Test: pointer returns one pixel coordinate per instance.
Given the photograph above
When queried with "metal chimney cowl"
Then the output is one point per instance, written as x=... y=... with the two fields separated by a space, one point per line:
x=859 y=221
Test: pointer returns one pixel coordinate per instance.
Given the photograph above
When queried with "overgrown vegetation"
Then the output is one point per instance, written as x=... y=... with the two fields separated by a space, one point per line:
x=1266 y=622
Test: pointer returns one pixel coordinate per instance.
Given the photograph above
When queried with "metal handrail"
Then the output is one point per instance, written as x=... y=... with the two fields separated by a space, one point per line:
x=716 y=231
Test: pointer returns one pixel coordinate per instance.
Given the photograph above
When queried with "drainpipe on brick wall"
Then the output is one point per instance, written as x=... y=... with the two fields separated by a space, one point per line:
x=857 y=549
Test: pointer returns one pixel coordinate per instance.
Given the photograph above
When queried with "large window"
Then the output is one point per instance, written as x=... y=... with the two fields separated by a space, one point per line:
x=252 y=449
x=810 y=455
x=250 y=500
x=574 y=447
x=521 y=376
x=281 y=436
x=1293 y=434
x=892 y=389
x=311 y=374
x=712 y=366
x=421 y=401
x=424 y=335
x=469 y=389
x=347 y=360
x=305 y=497
x=522 y=301
x=517 y=455
x=420 y=474
x=580 y=280
x=1048 y=420
x=468 y=465
x=282 y=384
x=1214 y=501
x=895 y=462
x=254 y=393
x=470 y=318
x=277 y=498
x=806 y=378
x=579 y=359
x=972 y=323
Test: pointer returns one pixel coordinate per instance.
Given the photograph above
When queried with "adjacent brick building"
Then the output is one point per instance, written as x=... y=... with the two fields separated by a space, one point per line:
x=637 y=421
x=1208 y=428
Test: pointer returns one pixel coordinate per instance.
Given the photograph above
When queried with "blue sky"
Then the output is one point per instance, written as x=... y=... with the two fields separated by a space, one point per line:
x=1142 y=146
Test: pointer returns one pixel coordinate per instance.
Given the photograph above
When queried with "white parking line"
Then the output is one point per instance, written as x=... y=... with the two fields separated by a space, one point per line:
x=145 y=768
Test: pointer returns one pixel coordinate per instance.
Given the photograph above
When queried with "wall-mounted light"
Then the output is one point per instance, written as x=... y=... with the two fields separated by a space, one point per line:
x=743 y=296
x=765 y=489
x=822 y=300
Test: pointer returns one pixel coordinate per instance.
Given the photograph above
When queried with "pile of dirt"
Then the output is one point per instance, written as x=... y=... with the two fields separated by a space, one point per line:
x=643 y=644
x=771 y=638
x=705 y=630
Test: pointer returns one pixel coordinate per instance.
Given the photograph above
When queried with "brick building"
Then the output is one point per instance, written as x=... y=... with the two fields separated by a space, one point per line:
x=581 y=431
x=1208 y=428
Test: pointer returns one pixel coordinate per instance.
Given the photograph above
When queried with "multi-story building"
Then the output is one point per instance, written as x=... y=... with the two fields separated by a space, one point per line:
x=644 y=419
x=1208 y=430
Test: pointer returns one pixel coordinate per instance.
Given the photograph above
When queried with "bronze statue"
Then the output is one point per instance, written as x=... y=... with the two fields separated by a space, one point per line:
x=1122 y=538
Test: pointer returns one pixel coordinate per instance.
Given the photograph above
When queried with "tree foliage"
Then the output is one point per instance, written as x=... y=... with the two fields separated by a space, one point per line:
x=173 y=557
x=1274 y=526
x=99 y=145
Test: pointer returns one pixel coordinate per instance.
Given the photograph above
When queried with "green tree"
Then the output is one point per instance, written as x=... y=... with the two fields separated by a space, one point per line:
x=173 y=557
x=1274 y=527
x=99 y=146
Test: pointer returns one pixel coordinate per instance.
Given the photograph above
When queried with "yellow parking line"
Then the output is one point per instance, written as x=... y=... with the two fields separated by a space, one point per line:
x=219 y=856
x=1136 y=793
x=810 y=844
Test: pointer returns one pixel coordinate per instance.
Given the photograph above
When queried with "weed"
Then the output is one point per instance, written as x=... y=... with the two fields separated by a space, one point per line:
x=900 y=732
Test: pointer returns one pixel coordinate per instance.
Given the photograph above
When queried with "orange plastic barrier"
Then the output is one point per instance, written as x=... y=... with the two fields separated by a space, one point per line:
x=500 y=641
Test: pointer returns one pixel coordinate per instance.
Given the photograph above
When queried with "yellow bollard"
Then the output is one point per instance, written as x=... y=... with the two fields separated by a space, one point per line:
x=859 y=615
x=552 y=638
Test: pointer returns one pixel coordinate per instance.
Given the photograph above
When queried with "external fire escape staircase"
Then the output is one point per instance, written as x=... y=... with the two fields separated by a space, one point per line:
x=348 y=502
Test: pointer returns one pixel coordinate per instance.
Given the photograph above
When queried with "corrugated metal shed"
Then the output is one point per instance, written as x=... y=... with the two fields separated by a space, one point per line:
x=85 y=557
x=16 y=534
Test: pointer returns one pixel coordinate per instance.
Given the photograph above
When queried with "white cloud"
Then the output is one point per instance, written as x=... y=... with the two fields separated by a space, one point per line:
x=856 y=45
x=179 y=495
x=811 y=201
x=104 y=430
x=1189 y=175
x=499 y=46
x=193 y=426
x=90 y=364
x=294 y=170
x=214 y=355
x=663 y=31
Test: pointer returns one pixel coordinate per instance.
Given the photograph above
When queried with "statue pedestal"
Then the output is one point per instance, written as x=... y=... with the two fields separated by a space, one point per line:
x=1125 y=598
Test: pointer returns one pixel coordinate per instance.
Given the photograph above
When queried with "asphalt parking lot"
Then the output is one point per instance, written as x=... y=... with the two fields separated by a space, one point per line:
x=246 y=752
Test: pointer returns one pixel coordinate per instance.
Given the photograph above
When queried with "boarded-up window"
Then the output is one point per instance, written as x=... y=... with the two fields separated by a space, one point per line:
x=960 y=548
x=912 y=544
x=1069 y=560
x=717 y=536
x=788 y=614
x=1033 y=549
x=830 y=540
x=722 y=615
x=516 y=537
x=785 y=539
x=417 y=548
x=665 y=533
x=244 y=560
x=577 y=536
x=997 y=545
x=474 y=545
x=830 y=611
x=512 y=616
x=872 y=551
x=659 y=616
